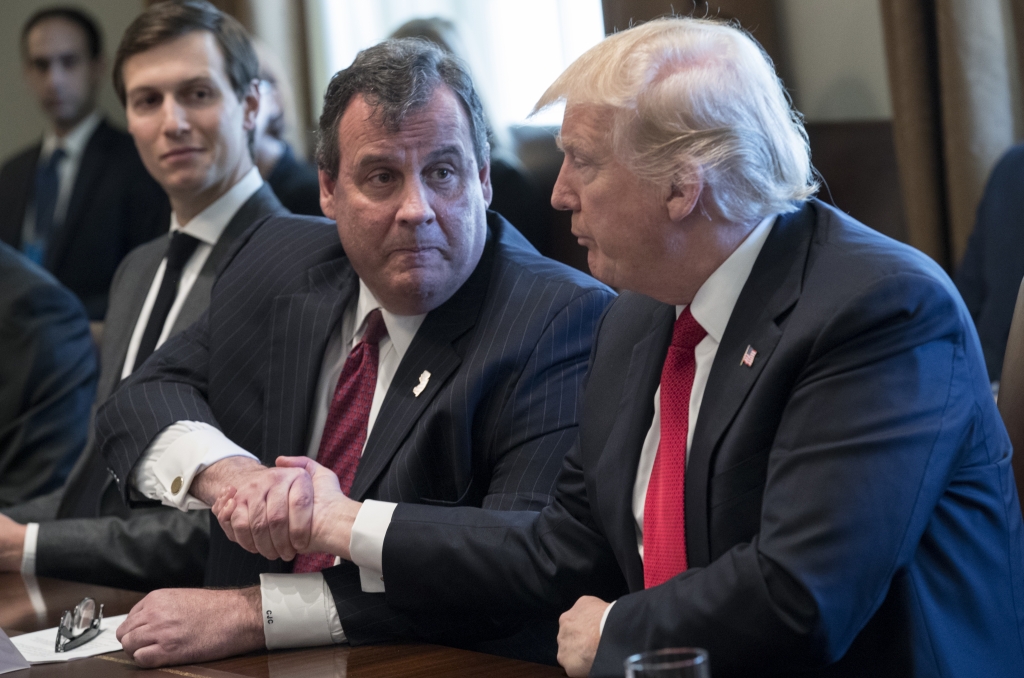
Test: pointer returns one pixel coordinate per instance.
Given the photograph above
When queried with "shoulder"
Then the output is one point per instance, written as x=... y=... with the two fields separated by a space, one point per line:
x=21 y=160
x=30 y=293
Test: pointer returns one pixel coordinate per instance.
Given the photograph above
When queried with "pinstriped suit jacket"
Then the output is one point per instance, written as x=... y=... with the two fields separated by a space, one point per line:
x=507 y=353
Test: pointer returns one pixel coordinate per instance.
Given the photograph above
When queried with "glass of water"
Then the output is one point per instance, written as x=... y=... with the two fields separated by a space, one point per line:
x=676 y=662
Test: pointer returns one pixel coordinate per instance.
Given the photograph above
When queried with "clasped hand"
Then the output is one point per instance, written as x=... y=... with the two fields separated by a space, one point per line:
x=296 y=508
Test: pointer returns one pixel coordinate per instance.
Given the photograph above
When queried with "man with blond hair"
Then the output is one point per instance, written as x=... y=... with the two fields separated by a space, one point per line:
x=787 y=453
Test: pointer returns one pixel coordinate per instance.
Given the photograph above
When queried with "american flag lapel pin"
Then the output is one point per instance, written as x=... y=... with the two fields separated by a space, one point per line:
x=748 y=356
x=418 y=388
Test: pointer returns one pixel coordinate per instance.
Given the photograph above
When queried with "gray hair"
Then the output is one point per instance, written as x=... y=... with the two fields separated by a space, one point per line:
x=697 y=99
x=397 y=77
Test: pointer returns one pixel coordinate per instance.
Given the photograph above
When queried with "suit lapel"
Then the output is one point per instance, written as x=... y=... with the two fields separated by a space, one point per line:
x=301 y=324
x=772 y=289
x=90 y=171
x=431 y=350
x=616 y=468
x=261 y=204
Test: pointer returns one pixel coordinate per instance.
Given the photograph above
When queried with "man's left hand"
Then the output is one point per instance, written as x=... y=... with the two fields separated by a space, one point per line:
x=179 y=626
x=12 y=544
x=579 y=632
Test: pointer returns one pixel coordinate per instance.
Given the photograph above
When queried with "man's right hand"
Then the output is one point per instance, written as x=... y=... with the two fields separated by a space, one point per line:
x=332 y=515
x=273 y=507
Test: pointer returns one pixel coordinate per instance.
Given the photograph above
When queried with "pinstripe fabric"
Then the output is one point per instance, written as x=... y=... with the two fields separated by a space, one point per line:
x=506 y=353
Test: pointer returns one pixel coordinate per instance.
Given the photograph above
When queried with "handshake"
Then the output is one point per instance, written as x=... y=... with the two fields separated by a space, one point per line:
x=297 y=507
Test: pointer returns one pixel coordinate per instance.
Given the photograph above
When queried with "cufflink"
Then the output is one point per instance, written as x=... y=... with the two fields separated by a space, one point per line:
x=176 y=485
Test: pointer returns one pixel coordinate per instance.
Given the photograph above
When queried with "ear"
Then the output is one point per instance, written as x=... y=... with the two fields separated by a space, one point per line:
x=327 y=186
x=682 y=198
x=485 y=182
x=251 y=106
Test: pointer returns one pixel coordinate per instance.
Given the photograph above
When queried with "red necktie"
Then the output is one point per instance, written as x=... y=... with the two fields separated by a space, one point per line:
x=664 y=519
x=345 y=429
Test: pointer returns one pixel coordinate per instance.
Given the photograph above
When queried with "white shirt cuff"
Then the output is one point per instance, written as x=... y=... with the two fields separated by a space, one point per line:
x=28 y=550
x=604 y=617
x=174 y=458
x=299 y=611
x=367 y=544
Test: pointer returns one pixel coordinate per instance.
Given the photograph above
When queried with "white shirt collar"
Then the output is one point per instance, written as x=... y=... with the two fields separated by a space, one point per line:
x=713 y=304
x=401 y=328
x=211 y=222
x=74 y=141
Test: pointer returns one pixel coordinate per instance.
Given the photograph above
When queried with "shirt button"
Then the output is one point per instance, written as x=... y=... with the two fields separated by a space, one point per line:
x=176 y=485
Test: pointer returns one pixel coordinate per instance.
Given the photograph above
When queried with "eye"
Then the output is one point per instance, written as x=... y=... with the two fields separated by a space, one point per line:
x=381 y=178
x=146 y=101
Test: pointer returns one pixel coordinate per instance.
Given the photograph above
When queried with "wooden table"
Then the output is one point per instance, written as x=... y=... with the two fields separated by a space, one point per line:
x=19 y=615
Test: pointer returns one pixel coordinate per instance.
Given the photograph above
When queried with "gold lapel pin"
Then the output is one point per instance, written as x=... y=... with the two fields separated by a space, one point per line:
x=418 y=388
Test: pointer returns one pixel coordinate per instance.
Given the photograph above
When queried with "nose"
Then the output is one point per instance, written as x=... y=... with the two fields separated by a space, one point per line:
x=415 y=208
x=563 y=197
x=175 y=120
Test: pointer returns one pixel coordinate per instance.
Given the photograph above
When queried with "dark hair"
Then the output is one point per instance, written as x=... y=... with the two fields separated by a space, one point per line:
x=75 y=16
x=397 y=77
x=167 y=21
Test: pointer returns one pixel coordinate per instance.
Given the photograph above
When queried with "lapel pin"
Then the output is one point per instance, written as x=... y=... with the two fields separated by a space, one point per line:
x=418 y=388
x=748 y=356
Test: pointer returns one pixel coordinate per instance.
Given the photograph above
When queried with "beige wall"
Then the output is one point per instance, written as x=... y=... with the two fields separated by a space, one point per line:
x=23 y=122
x=836 y=59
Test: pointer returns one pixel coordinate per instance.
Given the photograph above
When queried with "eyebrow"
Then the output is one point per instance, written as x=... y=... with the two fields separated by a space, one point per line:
x=198 y=80
x=377 y=158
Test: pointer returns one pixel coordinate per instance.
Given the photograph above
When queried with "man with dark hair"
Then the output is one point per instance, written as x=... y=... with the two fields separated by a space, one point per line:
x=191 y=126
x=410 y=357
x=77 y=202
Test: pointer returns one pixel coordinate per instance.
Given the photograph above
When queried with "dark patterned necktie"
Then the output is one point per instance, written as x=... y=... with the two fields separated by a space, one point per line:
x=178 y=252
x=47 y=188
x=345 y=429
x=664 y=517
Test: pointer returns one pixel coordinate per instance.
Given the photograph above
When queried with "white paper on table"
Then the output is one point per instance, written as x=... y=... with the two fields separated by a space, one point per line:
x=10 y=657
x=37 y=647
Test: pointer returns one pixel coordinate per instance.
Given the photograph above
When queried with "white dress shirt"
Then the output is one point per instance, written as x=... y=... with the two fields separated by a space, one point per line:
x=712 y=307
x=300 y=606
x=73 y=143
x=207 y=227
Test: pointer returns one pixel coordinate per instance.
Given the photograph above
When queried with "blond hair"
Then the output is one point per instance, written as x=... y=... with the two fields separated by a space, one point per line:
x=697 y=99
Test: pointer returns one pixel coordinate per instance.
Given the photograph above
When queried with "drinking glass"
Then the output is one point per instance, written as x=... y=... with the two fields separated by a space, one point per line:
x=674 y=662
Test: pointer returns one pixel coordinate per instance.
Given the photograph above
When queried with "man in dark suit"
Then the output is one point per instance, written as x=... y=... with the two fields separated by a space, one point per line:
x=993 y=265
x=84 y=531
x=47 y=379
x=80 y=200
x=787 y=451
x=410 y=357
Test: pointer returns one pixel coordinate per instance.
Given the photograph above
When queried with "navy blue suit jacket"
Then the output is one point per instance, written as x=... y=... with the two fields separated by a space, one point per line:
x=507 y=353
x=993 y=266
x=850 y=508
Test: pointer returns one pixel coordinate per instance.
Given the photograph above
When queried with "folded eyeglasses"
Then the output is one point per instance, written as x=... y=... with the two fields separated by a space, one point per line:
x=78 y=627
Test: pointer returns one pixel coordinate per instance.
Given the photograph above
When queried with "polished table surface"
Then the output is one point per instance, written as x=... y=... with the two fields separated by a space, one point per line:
x=19 y=614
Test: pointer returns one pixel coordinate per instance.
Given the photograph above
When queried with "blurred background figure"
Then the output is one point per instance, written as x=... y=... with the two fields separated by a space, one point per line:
x=78 y=200
x=516 y=195
x=47 y=379
x=993 y=266
x=293 y=180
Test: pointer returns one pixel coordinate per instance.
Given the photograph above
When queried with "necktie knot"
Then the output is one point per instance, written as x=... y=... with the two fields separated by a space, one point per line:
x=375 y=328
x=687 y=332
x=181 y=248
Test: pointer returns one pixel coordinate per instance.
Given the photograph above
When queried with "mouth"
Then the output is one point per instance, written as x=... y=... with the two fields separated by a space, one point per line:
x=181 y=153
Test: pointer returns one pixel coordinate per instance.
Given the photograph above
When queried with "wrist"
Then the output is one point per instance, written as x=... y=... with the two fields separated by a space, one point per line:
x=209 y=482
x=250 y=617
x=332 y=529
x=12 y=548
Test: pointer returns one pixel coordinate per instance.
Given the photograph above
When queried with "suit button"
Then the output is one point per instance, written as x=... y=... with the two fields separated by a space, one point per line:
x=176 y=485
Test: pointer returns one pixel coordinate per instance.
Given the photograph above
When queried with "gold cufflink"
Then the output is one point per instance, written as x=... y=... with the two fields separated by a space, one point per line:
x=176 y=485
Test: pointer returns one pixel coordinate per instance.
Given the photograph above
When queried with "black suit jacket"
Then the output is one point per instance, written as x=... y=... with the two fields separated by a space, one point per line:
x=296 y=184
x=47 y=379
x=506 y=354
x=114 y=206
x=850 y=508
x=993 y=265
x=86 y=531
